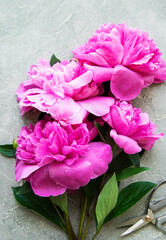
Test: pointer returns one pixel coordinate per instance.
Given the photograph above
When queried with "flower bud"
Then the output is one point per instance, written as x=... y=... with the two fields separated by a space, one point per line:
x=15 y=145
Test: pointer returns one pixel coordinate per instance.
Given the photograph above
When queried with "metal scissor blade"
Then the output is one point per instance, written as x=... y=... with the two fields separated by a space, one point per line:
x=131 y=221
x=135 y=227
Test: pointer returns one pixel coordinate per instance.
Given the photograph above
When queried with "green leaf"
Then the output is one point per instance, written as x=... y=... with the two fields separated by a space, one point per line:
x=41 y=205
x=106 y=201
x=100 y=130
x=53 y=60
x=7 y=150
x=60 y=201
x=135 y=159
x=129 y=196
x=128 y=172
x=25 y=188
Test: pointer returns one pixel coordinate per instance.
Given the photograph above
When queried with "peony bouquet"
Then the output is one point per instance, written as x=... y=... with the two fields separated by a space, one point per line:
x=88 y=136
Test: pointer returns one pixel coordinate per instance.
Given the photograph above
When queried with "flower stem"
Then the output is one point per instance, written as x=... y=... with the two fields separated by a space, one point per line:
x=70 y=230
x=96 y=234
x=114 y=148
x=60 y=217
x=93 y=209
x=83 y=210
x=68 y=227
x=94 y=206
x=89 y=220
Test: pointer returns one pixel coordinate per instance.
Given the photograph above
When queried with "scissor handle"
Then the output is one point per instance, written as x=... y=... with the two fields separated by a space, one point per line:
x=152 y=192
x=159 y=222
x=156 y=206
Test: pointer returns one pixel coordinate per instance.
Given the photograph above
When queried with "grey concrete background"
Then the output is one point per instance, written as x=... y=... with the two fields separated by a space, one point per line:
x=30 y=30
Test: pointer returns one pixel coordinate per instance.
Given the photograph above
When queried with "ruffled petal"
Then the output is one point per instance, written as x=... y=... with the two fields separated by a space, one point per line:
x=69 y=110
x=160 y=75
x=91 y=57
x=112 y=53
x=147 y=142
x=20 y=92
x=118 y=121
x=129 y=145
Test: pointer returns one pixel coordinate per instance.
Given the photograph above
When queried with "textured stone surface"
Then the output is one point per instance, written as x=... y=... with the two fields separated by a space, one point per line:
x=30 y=30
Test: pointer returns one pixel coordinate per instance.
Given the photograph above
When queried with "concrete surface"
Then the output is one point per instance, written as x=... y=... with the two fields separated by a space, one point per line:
x=30 y=30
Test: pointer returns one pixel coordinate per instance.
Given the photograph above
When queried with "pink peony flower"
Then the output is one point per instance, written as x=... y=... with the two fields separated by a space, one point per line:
x=131 y=129
x=56 y=156
x=125 y=56
x=61 y=91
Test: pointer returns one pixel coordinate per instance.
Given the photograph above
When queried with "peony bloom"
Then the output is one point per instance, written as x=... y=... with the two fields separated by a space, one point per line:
x=55 y=156
x=125 y=56
x=62 y=91
x=131 y=129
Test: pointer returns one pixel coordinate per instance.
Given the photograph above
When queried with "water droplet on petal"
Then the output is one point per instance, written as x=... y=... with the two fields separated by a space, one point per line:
x=58 y=100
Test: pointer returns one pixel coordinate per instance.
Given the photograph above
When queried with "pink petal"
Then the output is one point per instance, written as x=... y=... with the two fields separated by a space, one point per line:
x=42 y=148
x=91 y=57
x=126 y=84
x=73 y=176
x=98 y=106
x=99 y=155
x=100 y=74
x=82 y=80
x=107 y=118
x=118 y=121
x=160 y=75
x=23 y=169
x=129 y=145
x=143 y=119
x=23 y=88
x=46 y=160
x=43 y=185
x=148 y=80
x=147 y=142
x=112 y=53
x=42 y=99
x=69 y=110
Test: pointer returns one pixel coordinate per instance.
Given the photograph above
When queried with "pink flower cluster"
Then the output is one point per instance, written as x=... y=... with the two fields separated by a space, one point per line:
x=56 y=156
x=126 y=57
x=57 y=153
x=131 y=129
x=63 y=91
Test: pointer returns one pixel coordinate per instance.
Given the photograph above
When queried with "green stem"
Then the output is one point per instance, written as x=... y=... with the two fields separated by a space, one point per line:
x=96 y=234
x=72 y=231
x=82 y=216
x=68 y=226
x=114 y=148
x=60 y=217
x=101 y=185
x=93 y=209
x=89 y=221
x=94 y=206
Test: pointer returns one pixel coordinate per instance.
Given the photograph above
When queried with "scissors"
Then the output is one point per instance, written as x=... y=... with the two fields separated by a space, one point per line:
x=143 y=220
